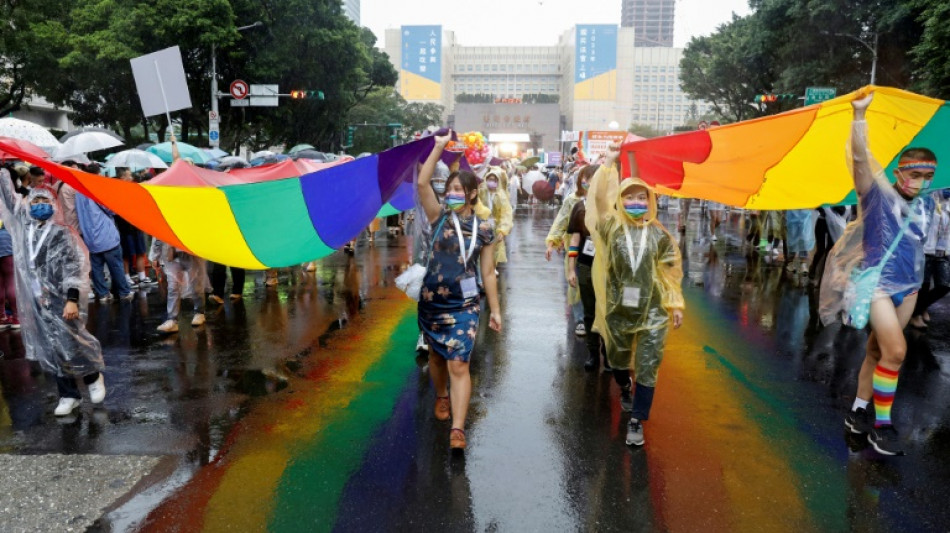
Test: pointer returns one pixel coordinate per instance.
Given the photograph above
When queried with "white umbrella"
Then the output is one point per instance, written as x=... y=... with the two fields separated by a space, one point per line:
x=88 y=141
x=79 y=158
x=28 y=131
x=262 y=154
x=136 y=159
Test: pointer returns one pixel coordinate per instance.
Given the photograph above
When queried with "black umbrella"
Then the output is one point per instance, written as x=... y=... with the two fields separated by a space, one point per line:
x=311 y=154
x=85 y=129
x=144 y=146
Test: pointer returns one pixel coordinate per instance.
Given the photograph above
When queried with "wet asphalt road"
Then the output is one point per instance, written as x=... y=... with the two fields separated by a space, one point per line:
x=304 y=409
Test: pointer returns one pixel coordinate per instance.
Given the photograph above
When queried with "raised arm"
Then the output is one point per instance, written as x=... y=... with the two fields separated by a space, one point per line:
x=860 y=154
x=8 y=196
x=430 y=203
x=176 y=155
x=603 y=189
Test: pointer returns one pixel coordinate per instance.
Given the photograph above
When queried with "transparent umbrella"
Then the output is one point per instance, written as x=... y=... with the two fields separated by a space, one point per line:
x=30 y=132
x=87 y=129
x=83 y=143
x=135 y=159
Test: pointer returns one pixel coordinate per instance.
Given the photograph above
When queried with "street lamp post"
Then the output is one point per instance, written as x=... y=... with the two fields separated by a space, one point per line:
x=215 y=94
x=872 y=47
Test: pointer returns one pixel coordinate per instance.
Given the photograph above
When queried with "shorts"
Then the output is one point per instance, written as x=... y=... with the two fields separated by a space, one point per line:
x=898 y=298
x=133 y=243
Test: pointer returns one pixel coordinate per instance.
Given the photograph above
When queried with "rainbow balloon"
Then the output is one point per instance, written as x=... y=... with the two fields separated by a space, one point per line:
x=795 y=160
x=265 y=217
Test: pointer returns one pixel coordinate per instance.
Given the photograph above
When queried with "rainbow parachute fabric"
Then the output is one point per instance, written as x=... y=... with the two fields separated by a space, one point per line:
x=264 y=217
x=795 y=160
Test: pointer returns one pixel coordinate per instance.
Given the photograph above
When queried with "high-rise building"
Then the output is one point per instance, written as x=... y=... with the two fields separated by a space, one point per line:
x=652 y=21
x=351 y=8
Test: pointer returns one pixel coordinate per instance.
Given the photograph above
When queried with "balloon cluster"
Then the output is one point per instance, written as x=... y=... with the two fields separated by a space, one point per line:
x=477 y=150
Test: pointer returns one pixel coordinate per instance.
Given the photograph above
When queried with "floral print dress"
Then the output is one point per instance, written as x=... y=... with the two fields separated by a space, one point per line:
x=447 y=318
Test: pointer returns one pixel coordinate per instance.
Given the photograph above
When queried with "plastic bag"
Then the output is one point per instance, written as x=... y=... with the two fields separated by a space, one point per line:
x=410 y=281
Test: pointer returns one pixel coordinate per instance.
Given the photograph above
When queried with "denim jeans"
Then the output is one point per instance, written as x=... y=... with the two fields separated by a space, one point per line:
x=112 y=259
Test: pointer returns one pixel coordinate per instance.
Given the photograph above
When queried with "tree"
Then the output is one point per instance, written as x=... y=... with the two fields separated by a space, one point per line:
x=382 y=106
x=931 y=52
x=728 y=68
x=418 y=116
x=644 y=130
x=25 y=59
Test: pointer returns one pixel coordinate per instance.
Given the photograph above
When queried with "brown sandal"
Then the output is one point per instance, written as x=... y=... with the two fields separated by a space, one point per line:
x=457 y=439
x=443 y=408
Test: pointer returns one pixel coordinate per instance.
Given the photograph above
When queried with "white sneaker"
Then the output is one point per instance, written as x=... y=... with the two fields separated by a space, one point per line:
x=198 y=320
x=169 y=326
x=97 y=390
x=66 y=406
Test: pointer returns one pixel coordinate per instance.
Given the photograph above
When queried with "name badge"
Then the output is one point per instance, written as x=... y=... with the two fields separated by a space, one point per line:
x=589 y=247
x=469 y=287
x=631 y=297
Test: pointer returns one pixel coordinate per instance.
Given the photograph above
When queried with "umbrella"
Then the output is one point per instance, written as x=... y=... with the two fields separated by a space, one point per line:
x=28 y=131
x=187 y=151
x=530 y=162
x=542 y=190
x=144 y=146
x=25 y=146
x=311 y=154
x=79 y=158
x=89 y=129
x=215 y=153
x=268 y=160
x=85 y=142
x=228 y=162
x=300 y=147
x=262 y=154
x=136 y=159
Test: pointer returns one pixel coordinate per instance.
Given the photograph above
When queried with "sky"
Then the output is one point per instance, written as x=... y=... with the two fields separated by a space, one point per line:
x=532 y=22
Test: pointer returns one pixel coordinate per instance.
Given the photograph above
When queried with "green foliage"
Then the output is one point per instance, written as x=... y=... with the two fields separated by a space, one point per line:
x=306 y=44
x=644 y=130
x=727 y=69
x=931 y=52
x=418 y=116
x=385 y=106
x=25 y=59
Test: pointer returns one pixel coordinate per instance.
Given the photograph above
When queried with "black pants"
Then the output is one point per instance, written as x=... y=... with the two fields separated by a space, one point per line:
x=936 y=283
x=68 y=388
x=588 y=299
x=642 y=395
x=219 y=276
x=823 y=245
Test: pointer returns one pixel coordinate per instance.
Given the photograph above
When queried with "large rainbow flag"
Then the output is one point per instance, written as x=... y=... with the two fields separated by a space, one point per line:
x=794 y=160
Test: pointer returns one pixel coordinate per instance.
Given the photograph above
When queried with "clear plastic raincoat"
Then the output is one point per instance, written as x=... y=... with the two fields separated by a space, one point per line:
x=635 y=294
x=499 y=205
x=885 y=219
x=557 y=237
x=49 y=260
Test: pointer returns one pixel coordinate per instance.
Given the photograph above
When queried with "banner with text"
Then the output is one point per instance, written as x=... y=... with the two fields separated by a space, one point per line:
x=595 y=62
x=420 y=77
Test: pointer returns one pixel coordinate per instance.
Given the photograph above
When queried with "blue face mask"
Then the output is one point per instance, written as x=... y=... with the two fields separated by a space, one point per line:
x=41 y=211
x=636 y=210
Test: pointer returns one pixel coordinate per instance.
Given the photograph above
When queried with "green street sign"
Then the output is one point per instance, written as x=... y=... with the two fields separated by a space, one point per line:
x=816 y=95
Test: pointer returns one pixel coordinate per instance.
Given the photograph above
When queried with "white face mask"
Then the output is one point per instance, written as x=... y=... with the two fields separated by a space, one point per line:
x=439 y=186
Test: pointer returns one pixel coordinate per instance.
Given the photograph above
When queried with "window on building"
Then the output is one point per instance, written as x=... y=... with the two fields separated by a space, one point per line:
x=478 y=68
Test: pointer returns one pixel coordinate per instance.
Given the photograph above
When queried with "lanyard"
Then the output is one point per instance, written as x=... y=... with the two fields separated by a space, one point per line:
x=458 y=231
x=635 y=264
x=35 y=249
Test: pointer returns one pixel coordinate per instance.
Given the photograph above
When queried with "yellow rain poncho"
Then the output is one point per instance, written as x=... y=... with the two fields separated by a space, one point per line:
x=499 y=205
x=557 y=238
x=635 y=333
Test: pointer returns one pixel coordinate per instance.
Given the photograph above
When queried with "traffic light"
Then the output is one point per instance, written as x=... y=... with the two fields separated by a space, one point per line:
x=771 y=98
x=350 y=130
x=303 y=95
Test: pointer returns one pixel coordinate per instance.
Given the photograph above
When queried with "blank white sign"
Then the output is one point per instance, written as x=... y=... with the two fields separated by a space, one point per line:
x=157 y=70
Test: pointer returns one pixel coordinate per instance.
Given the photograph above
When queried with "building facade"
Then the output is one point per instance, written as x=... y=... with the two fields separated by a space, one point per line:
x=593 y=78
x=351 y=8
x=652 y=21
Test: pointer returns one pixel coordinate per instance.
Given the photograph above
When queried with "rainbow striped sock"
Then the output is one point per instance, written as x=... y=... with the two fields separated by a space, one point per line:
x=885 y=383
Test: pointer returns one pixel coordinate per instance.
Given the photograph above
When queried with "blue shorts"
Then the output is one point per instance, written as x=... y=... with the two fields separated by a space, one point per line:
x=898 y=298
x=133 y=243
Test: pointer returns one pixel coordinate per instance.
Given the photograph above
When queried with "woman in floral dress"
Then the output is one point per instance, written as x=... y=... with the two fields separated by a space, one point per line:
x=449 y=303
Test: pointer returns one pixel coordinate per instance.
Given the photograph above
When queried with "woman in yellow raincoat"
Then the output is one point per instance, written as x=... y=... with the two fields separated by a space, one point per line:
x=557 y=239
x=493 y=194
x=637 y=275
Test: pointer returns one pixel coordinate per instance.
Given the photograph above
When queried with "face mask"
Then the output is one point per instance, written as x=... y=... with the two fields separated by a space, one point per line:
x=455 y=201
x=439 y=187
x=492 y=185
x=41 y=211
x=635 y=209
x=905 y=188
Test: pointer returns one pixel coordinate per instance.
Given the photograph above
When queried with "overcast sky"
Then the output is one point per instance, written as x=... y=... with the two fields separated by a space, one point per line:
x=532 y=22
